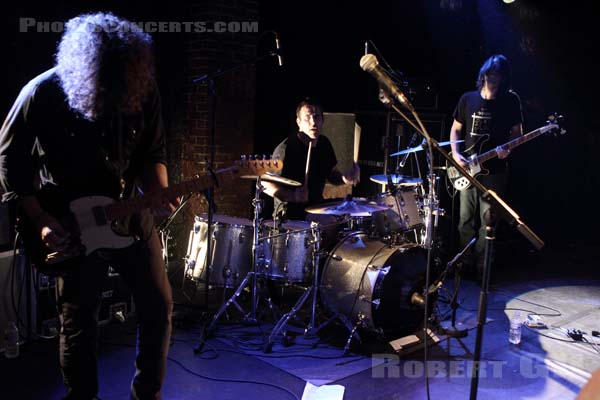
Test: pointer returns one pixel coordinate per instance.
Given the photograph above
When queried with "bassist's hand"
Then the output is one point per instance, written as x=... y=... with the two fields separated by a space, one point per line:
x=459 y=158
x=502 y=152
x=52 y=234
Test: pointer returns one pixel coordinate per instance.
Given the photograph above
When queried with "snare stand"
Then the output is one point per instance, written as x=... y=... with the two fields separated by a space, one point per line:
x=257 y=203
x=312 y=289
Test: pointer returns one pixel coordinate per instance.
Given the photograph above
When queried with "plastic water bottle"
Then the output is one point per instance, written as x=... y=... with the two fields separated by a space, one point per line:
x=514 y=333
x=11 y=341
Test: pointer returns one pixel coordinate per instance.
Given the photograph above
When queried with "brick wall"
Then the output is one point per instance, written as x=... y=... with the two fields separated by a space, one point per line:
x=189 y=130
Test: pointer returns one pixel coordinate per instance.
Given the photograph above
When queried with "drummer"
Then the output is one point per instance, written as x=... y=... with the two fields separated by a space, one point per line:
x=291 y=202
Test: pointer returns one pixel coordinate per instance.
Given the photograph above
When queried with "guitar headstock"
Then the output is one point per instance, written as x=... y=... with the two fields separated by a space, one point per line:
x=255 y=165
x=557 y=121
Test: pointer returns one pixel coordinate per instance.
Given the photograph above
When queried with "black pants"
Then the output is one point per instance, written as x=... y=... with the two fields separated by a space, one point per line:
x=142 y=268
x=472 y=215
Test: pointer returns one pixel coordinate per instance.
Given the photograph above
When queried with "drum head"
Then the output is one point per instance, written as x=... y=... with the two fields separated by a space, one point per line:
x=369 y=280
x=396 y=315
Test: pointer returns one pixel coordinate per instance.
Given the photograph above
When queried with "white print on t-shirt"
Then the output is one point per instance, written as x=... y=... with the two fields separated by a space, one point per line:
x=482 y=123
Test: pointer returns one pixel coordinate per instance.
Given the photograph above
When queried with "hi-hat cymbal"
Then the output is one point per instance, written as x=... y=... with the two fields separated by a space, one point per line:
x=401 y=180
x=420 y=147
x=271 y=177
x=353 y=207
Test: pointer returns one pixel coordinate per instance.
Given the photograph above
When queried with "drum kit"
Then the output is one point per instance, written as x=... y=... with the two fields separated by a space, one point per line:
x=369 y=279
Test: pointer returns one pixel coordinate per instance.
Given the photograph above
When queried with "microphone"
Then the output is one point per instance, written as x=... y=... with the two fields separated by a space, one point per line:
x=411 y=144
x=369 y=63
x=278 y=51
x=366 y=47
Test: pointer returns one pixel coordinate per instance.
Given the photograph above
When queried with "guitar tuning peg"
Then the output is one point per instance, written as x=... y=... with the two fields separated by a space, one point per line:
x=243 y=157
x=264 y=157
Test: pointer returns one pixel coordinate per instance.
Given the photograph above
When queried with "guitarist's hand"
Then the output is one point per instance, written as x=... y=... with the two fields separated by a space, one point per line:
x=52 y=233
x=166 y=207
x=459 y=158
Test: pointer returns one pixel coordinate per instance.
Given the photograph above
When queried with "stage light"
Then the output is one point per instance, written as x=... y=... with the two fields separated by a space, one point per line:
x=508 y=1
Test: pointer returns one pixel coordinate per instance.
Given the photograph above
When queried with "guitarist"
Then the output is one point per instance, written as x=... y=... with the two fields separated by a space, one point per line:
x=92 y=125
x=485 y=119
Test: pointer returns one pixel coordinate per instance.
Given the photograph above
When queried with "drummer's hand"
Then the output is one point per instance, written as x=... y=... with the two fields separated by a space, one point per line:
x=300 y=195
x=352 y=177
x=502 y=152
x=459 y=158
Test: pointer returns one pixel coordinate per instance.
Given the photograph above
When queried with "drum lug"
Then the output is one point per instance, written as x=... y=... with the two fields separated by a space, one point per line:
x=308 y=242
x=241 y=238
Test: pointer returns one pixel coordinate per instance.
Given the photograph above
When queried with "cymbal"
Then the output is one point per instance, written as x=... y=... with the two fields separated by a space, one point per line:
x=420 y=147
x=353 y=207
x=401 y=180
x=271 y=177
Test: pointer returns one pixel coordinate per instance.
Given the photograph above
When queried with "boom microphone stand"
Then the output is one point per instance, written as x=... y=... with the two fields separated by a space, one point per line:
x=369 y=64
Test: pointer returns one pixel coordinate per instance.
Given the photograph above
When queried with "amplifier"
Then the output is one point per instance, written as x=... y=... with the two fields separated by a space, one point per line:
x=116 y=303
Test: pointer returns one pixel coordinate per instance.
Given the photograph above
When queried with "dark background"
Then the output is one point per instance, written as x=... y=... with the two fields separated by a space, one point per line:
x=441 y=43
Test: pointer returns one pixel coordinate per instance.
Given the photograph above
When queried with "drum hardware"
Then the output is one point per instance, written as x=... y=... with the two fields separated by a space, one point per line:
x=354 y=207
x=451 y=329
x=422 y=147
x=252 y=276
x=396 y=179
x=310 y=290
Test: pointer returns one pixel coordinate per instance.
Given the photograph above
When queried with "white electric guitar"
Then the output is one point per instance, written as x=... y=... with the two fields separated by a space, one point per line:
x=93 y=218
x=474 y=168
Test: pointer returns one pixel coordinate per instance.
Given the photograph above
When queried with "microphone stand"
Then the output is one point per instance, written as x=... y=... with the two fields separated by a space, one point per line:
x=209 y=81
x=503 y=209
x=451 y=330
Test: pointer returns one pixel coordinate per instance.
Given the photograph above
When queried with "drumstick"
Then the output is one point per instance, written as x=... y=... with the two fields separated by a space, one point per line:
x=356 y=141
x=310 y=144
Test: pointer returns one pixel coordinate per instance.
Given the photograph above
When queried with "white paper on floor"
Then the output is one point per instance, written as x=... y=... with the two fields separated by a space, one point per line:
x=324 y=392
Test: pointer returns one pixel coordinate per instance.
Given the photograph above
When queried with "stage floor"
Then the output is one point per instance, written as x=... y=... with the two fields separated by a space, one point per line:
x=560 y=283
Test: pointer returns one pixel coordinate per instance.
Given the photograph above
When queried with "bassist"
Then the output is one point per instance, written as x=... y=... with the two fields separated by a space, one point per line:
x=485 y=118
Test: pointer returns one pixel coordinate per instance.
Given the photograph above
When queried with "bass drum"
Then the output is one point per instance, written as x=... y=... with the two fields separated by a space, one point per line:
x=365 y=279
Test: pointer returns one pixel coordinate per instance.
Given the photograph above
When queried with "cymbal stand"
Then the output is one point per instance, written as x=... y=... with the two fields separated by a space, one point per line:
x=250 y=317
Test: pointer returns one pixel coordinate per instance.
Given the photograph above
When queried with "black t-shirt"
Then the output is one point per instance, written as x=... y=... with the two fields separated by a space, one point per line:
x=43 y=139
x=487 y=123
x=293 y=152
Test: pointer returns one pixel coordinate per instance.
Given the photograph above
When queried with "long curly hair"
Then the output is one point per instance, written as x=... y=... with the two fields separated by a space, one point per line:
x=105 y=64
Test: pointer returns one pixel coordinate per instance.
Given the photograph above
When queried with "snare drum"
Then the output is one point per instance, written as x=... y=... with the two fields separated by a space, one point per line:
x=288 y=257
x=232 y=250
x=405 y=211
x=369 y=281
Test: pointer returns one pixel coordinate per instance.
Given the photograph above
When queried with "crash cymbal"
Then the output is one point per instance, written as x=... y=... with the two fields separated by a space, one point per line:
x=353 y=207
x=420 y=147
x=401 y=180
x=271 y=177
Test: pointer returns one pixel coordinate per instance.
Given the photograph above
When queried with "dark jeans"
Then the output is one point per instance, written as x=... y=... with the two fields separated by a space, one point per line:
x=142 y=268
x=472 y=211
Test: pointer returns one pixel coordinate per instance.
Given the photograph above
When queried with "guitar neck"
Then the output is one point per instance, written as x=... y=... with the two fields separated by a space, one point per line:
x=516 y=142
x=136 y=204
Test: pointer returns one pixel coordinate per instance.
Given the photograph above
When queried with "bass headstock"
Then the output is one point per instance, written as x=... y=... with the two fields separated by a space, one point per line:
x=558 y=121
